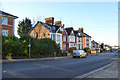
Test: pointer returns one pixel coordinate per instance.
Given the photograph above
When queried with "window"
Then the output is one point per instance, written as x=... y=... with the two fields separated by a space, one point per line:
x=4 y=21
x=44 y=34
x=5 y=32
x=72 y=38
x=87 y=39
x=80 y=39
x=61 y=29
x=64 y=38
x=72 y=44
x=77 y=39
x=58 y=38
x=53 y=36
x=64 y=47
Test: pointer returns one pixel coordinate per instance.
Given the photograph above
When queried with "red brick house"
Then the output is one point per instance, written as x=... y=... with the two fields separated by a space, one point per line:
x=8 y=23
x=70 y=37
x=64 y=36
x=78 y=40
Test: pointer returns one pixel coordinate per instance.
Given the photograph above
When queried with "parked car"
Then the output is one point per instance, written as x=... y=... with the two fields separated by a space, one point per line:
x=79 y=53
x=111 y=50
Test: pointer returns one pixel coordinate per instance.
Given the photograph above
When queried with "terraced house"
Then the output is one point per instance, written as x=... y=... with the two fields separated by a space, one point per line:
x=7 y=23
x=66 y=37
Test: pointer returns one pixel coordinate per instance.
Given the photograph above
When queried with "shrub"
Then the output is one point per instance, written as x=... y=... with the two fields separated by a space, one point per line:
x=9 y=55
x=48 y=47
x=12 y=45
x=19 y=47
x=71 y=50
x=87 y=49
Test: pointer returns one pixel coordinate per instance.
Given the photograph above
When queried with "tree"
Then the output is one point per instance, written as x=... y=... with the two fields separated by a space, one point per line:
x=48 y=47
x=24 y=26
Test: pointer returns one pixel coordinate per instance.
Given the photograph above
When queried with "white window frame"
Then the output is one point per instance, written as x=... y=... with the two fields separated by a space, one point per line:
x=61 y=29
x=64 y=38
x=4 y=21
x=71 y=38
x=77 y=39
x=5 y=34
x=80 y=39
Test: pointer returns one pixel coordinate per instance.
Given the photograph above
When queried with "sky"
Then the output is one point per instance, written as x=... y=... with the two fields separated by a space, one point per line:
x=99 y=19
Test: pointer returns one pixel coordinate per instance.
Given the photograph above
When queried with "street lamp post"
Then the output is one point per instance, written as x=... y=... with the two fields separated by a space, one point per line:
x=29 y=50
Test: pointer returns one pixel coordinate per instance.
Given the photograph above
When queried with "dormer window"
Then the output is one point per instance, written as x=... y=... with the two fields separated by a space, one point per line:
x=4 y=21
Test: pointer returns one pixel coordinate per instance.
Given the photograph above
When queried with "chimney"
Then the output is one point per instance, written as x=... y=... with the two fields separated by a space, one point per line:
x=58 y=23
x=80 y=29
x=49 y=21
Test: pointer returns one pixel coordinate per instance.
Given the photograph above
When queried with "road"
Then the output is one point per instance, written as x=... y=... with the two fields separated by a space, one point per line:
x=67 y=68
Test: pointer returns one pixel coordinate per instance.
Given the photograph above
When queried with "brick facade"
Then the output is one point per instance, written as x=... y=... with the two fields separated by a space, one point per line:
x=9 y=26
x=10 y=23
x=40 y=31
x=64 y=34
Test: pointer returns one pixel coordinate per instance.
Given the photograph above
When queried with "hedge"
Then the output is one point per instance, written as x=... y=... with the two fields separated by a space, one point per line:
x=15 y=47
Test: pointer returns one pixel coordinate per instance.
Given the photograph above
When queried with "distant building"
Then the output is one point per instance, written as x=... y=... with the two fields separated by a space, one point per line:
x=8 y=23
x=94 y=45
x=86 y=39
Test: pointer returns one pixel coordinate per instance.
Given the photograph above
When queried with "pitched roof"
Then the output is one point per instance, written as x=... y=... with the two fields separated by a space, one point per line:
x=7 y=14
x=52 y=29
x=87 y=35
x=81 y=34
x=76 y=32
x=94 y=42
x=69 y=29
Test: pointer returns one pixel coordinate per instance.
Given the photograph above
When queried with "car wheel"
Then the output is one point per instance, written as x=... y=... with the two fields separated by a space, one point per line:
x=74 y=56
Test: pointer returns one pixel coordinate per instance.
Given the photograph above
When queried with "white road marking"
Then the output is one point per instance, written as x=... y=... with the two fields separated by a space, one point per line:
x=94 y=71
x=4 y=71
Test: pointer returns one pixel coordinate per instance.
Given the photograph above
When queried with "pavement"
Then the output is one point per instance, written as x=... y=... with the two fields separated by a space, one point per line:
x=110 y=72
x=41 y=59
x=35 y=59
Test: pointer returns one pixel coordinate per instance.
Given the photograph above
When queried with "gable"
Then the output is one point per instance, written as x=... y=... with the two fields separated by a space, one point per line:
x=40 y=31
x=60 y=29
x=72 y=33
